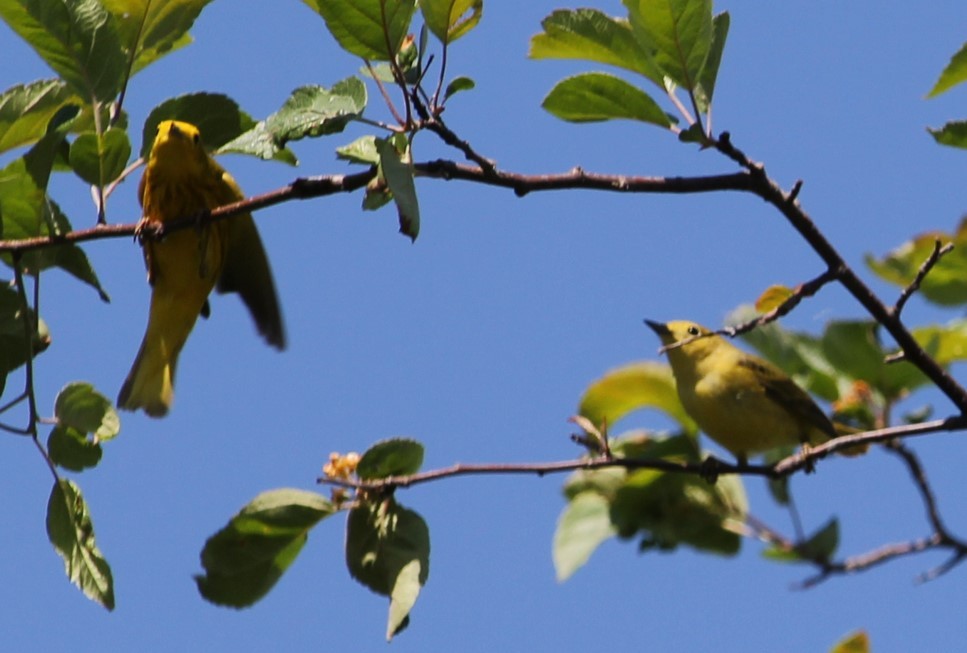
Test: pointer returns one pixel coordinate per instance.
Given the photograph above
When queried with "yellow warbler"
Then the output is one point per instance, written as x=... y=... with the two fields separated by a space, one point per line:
x=745 y=403
x=181 y=179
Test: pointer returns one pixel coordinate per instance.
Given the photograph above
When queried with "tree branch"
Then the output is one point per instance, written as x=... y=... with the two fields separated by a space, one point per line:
x=300 y=189
x=940 y=538
x=577 y=178
x=801 y=460
x=784 y=467
x=868 y=560
x=768 y=190
x=323 y=185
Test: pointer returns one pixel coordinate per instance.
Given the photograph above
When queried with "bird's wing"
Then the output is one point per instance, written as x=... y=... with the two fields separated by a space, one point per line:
x=782 y=390
x=246 y=269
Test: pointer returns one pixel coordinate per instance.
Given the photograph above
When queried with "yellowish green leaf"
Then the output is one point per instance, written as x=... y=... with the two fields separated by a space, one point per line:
x=772 y=298
x=953 y=74
x=630 y=387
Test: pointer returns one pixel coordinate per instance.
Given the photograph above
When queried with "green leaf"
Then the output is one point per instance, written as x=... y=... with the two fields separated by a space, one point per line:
x=955 y=73
x=778 y=487
x=451 y=19
x=945 y=343
x=853 y=349
x=310 y=111
x=80 y=406
x=396 y=457
x=665 y=509
x=13 y=352
x=638 y=445
x=78 y=39
x=244 y=559
x=218 y=118
x=396 y=169
x=457 y=85
x=27 y=109
x=592 y=35
x=376 y=198
x=583 y=525
x=590 y=97
x=99 y=160
x=820 y=546
x=39 y=160
x=71 y=531
x=679 y=32
x=672 y=509
x=632 y=387
x=153 y=29
x=27 y=213
x=362 y=150
x=382 y=72
x=371 y=29
x=388 y=551
x=403 y=597
x=710 y=71
x=694 y=133
x=71 y=449
x=953 y=133
x=947 y=282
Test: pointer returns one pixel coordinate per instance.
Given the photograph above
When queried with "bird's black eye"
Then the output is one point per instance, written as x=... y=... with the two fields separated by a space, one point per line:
x=693 y=330
x=197 y=139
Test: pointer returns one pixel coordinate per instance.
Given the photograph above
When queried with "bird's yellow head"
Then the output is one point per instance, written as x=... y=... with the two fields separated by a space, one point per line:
x=700 y=342
x=178 y=150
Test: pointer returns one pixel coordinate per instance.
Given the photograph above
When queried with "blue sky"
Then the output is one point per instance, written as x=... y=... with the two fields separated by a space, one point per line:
x=479 y=339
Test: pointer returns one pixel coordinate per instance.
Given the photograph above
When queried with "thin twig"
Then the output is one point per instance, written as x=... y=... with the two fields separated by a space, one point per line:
x=853 y=564
x=938 y=251
x=382 y=90
x=866 y=561
x=116 y=113
x=443 y=70
x=438 y=127
x=689 y=119
x=394 y=64
x=920 y=478
x=30 y=328
x=133 y=166
x=807 y=289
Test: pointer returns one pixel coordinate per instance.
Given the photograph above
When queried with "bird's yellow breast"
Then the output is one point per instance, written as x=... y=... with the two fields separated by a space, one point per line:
x=732 y=408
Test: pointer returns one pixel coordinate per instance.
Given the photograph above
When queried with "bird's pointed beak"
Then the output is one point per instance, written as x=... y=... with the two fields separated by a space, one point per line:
x=658 y=327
